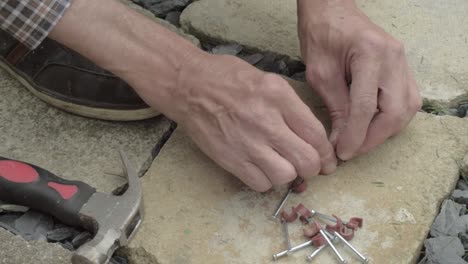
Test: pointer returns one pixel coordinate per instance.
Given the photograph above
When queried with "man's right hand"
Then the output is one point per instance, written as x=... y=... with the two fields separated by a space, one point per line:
x=251 y=123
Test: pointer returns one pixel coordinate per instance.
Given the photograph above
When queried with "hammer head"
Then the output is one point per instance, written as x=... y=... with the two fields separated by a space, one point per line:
x=114 y=220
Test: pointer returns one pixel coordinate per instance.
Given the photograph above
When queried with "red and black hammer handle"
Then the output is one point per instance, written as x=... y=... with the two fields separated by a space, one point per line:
x=28 y=185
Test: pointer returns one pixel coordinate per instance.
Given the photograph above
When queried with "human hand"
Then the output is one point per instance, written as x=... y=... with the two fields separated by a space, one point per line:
x=251 y=123
x=341 y=46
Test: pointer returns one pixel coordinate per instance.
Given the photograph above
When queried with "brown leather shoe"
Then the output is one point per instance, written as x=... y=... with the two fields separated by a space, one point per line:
x=67 y=80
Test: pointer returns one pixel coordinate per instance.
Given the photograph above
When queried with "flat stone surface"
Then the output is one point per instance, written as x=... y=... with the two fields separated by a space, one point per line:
x=198 y=213
x=434 y=33
x=14 y=250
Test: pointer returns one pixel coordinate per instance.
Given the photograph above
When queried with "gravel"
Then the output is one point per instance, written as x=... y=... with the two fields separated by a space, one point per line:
x=448 y=239
x=444 y=250
x=227 y=49
x=174 y=18
x=460 y=196
x=253 y=58
x=450 y=221
x=33 y=225
x=161 y=8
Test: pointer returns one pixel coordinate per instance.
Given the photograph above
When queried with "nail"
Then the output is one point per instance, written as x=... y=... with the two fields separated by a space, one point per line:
x=292 y=250
x=281 y=204
x=338 y=255
x=359 y=254
x=286 y=234
x=316 y=252
x=324 y=216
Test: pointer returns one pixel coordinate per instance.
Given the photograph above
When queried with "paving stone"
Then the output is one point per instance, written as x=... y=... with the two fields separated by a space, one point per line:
x=464 y=166
x=71 y=146
x=198 y=213
x=15 y=250
x=435 y=41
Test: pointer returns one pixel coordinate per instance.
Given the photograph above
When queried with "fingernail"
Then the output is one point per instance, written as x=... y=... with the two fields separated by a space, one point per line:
x=345 y=155
x=333 y=137
x=329 y=168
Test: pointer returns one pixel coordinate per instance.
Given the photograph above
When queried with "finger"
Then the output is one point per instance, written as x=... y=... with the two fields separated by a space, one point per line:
x=397 y=109
x=276 y=168
x=363 y=97
x=306 y=126
x=335 y=93
x=253 y=176
x=300 y=154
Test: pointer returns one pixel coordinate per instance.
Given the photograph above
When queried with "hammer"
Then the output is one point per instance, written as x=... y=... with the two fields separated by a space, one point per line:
x=112 y=219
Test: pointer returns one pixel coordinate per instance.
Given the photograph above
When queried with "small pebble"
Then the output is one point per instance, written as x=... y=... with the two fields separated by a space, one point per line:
x=9 y=228
x=299 y=76
x=228 y=49
x=295 y=66
x=267 y=61
x=67 y=245
x=34 y=225
x=460 y=196
x=119 y=260
x=162 y=8
x=13 y=208
x=461 y=184
x=253 y=59
x=59 y=234
x=80 y=239
x=173 y=18
x=282 y=68
x=463 y=110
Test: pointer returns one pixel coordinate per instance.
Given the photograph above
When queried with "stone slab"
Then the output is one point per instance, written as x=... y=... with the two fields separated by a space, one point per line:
x=198 y=213
x=14 y=250
x=434 y=33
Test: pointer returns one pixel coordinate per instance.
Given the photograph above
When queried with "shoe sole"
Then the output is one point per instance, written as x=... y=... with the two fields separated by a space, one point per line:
x=81 y=110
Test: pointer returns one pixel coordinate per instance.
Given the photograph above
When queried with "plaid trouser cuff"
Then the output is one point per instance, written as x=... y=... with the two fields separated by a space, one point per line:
x=30 y=21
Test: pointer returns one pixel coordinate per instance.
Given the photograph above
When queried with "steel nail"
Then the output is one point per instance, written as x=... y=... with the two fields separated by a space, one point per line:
x=286 y=233
x=338 y=255
x=281 y=204
x=324 y=216
x=316 y=252
x=293 y=249
x=359 y=254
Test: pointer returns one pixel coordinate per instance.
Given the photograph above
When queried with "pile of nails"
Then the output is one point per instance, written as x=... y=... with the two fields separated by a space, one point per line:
x=318 y=236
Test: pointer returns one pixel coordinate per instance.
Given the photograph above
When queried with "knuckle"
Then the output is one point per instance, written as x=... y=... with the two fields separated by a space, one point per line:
x=396 y=120
x=314 y=166
x=396 y=47
x=366 y=103
x=285 y=174
x=372 y=40
x=317 y=75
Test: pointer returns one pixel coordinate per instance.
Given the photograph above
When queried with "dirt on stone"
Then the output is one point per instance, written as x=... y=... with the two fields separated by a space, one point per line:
x=137 y=255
